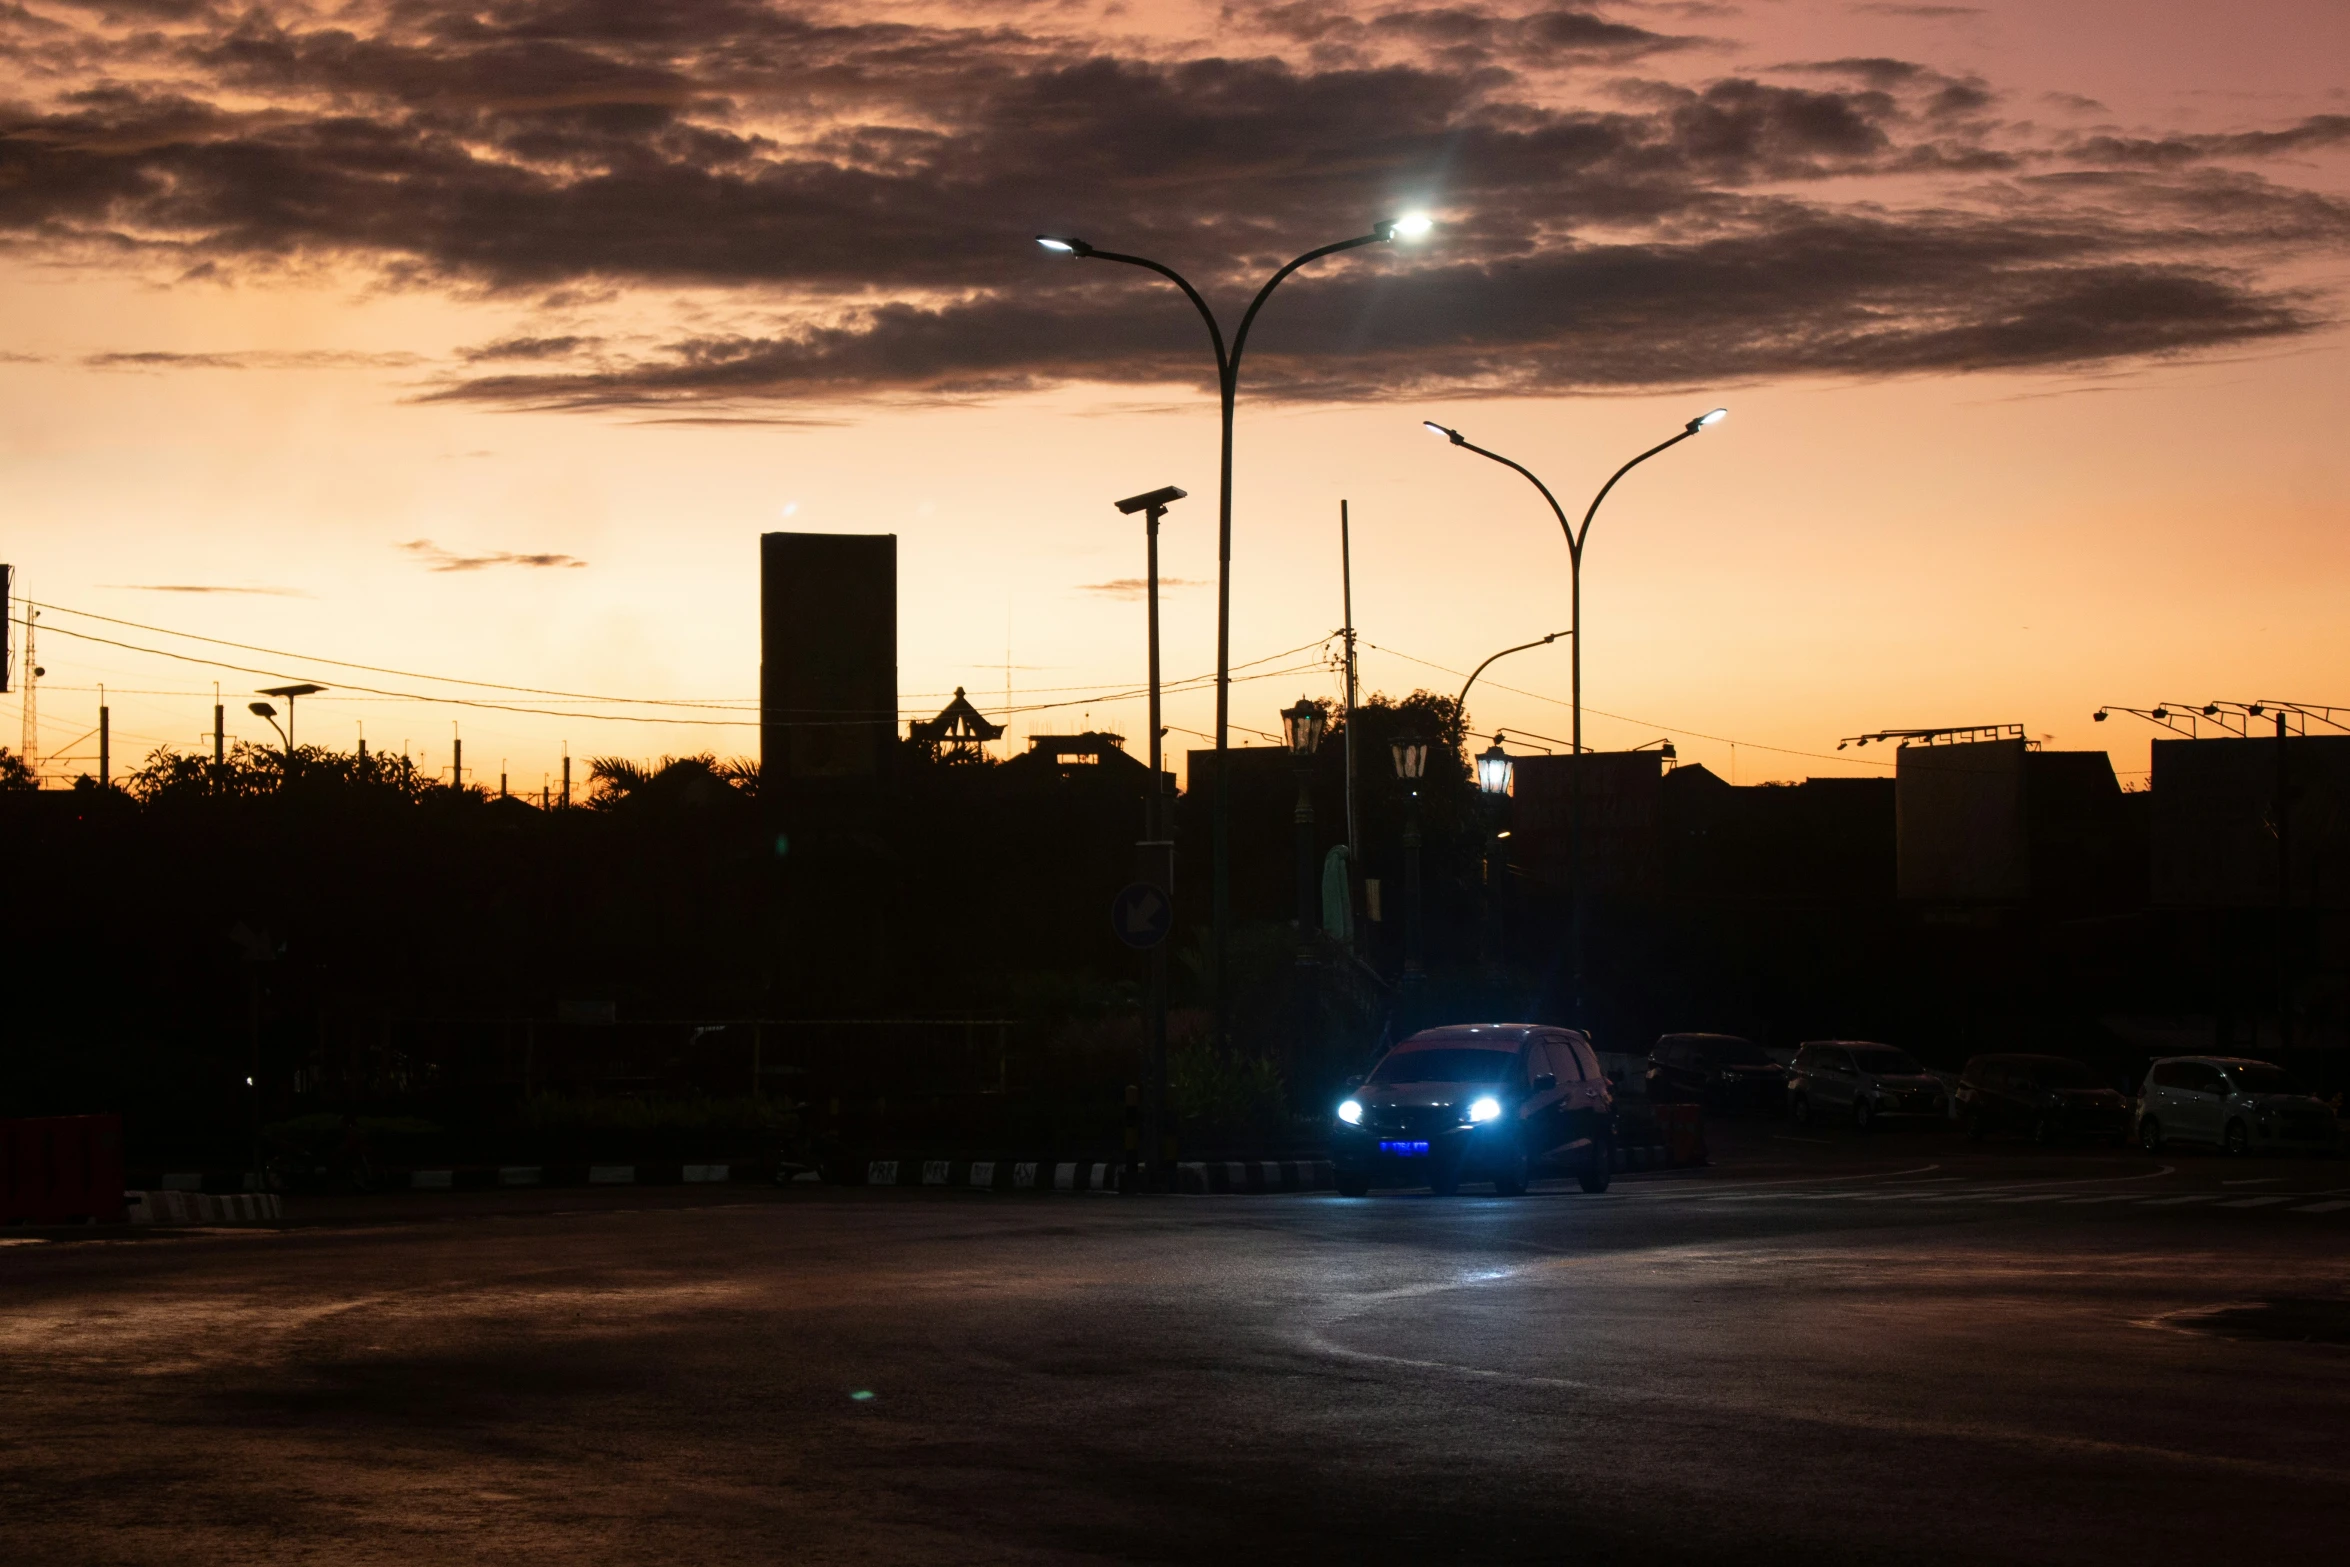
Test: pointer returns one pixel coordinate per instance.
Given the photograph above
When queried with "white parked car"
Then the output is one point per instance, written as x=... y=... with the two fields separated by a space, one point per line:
x=2227 y=1102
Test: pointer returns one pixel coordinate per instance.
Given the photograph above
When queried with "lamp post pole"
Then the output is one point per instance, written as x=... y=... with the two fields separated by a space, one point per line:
x=1228 y=392
x=286 y=729
x=1460 y=704
x=1302 y=726
x=1158 y=841
x=1575 y=539
x=1411 y=761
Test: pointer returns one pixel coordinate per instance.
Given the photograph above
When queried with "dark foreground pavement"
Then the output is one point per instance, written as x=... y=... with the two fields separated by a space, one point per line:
x=1908 y=1352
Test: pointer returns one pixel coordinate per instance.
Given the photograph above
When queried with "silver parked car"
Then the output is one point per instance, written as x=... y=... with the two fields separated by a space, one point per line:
x=1855 y=1080
x=2228 y=1102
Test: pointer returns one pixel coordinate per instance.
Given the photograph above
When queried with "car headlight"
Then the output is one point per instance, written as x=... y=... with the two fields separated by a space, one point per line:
x=1351 y=1112
x=1484 y=1109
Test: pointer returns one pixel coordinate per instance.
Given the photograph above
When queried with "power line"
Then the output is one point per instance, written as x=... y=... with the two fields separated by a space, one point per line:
x=1645 y=723
x=379 y=669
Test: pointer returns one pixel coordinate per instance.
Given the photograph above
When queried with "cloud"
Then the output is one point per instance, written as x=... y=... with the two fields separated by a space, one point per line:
x=439 y=559
x=1137 y=587
x=841 y=205
x=253 y=359
x=528 y=348
x=1921 y=13
x=205 y=587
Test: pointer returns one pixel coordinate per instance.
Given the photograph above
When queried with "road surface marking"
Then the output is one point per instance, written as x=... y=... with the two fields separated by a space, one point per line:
x=2258 y=1202
x=2324 y=1207
x=2169 y=1202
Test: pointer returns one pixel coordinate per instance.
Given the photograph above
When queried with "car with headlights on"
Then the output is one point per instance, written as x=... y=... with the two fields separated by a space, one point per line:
x=2232 y=1104
x=1718 y=1070
x=1862 y=1082
x=1477 y=1101
x=2044 y=1098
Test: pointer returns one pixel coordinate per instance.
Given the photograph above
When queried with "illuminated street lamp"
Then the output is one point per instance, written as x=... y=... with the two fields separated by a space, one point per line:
x=1386 y=231
x=1494 y=769
x=1575 y=541
x=1411 y=760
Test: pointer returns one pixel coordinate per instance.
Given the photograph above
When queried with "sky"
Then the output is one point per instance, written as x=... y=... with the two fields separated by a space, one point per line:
x=478 y=343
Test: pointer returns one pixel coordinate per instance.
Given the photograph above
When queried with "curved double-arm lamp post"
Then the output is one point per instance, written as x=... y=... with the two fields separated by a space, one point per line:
x=1460 y=704
x=1228 y=357
x=1576 y=536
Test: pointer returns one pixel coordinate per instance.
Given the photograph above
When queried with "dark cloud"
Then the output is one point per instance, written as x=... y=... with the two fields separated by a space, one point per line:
x=1923 y=13
x=439 y=559
x=528 y=348
x=863 y=191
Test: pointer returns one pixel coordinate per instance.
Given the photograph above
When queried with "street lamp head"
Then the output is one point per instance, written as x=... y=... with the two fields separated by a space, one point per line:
x=1494 y=768
x=1707 y=421
x=1446 y=431
x=1411 y=757
x=1157 y=500
x=2098 y=716
x=1064 y=244
x=1304 y=725
x=2161 y=713
x=260 y=709
x=304 y=689
x=1412 y=225
x=1669 y=752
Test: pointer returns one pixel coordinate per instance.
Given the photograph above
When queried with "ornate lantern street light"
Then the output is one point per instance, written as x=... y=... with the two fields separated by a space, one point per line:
x=1303 y=726
x=1411 y=761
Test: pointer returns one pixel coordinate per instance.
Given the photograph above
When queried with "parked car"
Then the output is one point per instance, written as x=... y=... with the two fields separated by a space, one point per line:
x=1491 y=1101
x=2234 y=1104
x=1863 y=1082
x=2040 y=1097
x=1721 y=1070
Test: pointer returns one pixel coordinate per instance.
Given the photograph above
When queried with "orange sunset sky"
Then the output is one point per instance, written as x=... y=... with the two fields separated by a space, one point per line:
x=480 y=342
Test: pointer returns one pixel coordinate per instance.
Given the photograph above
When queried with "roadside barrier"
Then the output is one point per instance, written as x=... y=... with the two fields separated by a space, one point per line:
x=177 y=1207
x=1095 y=1175
x=61 y=1169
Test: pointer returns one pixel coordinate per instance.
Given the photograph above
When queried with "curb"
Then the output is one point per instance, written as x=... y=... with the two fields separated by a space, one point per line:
x=486 y=1177
x=182 y=1207
x=1200 y=1177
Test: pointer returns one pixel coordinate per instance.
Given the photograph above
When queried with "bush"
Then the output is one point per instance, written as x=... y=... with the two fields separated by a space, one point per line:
x=1230 y=1096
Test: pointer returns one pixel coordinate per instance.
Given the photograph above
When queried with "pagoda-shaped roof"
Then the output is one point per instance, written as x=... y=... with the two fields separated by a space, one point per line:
x=959 y=726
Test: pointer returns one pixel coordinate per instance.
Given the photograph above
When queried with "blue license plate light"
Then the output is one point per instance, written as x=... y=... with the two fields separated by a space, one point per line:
x=1418 y=1150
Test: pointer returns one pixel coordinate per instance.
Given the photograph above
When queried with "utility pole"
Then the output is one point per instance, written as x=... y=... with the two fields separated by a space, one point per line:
x=456 y=759
x=2284 y=896
x=105 y=751
x=32 y=679
x=567 y=775
x=219 y=732
x=1346 y=582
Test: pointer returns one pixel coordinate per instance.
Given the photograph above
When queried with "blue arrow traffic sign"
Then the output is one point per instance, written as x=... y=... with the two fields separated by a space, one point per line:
x=1142 y=915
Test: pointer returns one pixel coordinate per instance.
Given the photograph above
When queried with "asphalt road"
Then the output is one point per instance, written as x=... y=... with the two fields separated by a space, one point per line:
x=1904 y=1349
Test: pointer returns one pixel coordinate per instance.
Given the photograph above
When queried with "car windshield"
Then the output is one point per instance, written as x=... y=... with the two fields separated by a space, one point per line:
x=1734 y=1052
x=2062 y=1074
x=1445 y=1066
x=1884 y=1061
x=2258 y=1077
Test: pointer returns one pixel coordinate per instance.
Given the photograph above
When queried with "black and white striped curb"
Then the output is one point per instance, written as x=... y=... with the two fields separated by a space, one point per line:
x=1047 y=1175
x=1195 y=1176
x=2023 y=1195
x=178 y=1207
x=477 y=1178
